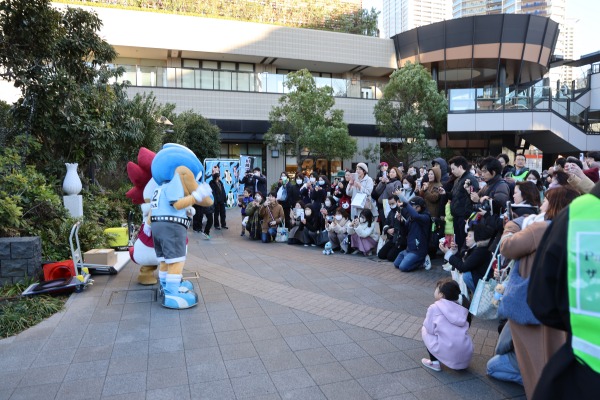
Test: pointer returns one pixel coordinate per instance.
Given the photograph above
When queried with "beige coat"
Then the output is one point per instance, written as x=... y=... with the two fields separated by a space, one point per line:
x=534 y=344
x=275 y=214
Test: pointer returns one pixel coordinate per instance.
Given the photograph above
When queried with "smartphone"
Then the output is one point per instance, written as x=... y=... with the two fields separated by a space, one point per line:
x=384 y=174
x=581 y=158
x=509 y=210
x=355 y=177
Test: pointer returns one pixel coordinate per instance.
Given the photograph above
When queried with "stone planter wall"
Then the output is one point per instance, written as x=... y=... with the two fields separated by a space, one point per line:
x=20 y=258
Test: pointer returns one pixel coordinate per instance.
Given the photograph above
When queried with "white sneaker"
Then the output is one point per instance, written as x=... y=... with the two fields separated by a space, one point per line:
x=204 y=236
x=427 y=262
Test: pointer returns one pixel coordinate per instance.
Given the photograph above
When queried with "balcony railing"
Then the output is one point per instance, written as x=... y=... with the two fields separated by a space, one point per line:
x=264 y=82
x=533 y=98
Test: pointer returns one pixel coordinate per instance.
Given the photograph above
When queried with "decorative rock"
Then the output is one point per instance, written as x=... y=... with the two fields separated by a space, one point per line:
x=5 y=248
x=23 y=247
x=10 y=268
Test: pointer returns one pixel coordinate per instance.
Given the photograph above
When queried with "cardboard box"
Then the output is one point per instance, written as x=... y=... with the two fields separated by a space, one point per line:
x=100 y=256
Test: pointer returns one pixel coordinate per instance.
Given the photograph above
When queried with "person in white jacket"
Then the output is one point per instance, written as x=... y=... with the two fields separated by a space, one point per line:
x=364 y=233
x=363 y=184
x=338 y=230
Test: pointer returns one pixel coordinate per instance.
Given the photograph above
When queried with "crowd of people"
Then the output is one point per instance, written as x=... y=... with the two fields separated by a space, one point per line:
x=461 y=211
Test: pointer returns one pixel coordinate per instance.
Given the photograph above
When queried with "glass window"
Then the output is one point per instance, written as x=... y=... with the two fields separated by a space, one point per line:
x=224 y=150
x=228 y=66
x=187 y=78
x=246 y=67
x=210 y=65
x=255 y=149
x=206 y=80
x=242 y=81
x=225 y=78
x=147 y=76
x=191 y=63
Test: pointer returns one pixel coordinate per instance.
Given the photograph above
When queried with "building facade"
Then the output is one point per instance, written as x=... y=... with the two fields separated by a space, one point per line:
x=403 y=15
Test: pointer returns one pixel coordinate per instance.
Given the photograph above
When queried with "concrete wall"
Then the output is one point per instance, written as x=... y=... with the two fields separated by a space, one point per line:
x=215 y=104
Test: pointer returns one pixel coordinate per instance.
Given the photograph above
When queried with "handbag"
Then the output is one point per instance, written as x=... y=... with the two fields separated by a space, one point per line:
x=514 y=302
x=282 y=234
x=359 y=200
x=482 y=306
x=322 y=237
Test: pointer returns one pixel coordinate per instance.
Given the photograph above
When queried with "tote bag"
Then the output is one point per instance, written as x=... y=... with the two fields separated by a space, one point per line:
x=282 y=234
x=514 y=302
x=482 y=306
x=359 y=200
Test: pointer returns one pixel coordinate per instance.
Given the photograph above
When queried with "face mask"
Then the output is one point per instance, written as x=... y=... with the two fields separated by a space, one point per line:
x=393 y=206
x=258 y=198
x=362 y=220
x=338 y=217
x=327 y=203
x=307 y=213
x=534 y=181
x=345 y=206
x=299 y=181
x=257 y=174
x=215 y=176
x=284 y=179
x=313 y=179
x=298 y=208
x=482 y=184
x=321 y=183
x=406 y=186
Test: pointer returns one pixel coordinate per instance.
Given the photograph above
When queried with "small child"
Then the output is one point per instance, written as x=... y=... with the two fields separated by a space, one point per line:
x=243 y=203
x=445 y=328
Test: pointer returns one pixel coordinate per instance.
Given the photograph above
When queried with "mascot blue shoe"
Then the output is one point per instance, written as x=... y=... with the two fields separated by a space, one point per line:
x=177 y=296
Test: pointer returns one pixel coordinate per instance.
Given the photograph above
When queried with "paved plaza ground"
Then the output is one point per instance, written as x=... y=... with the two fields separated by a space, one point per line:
x=275 y=322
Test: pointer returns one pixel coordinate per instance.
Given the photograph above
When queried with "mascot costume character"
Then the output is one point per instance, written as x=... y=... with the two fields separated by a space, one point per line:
x=177 y=172
x=142 y=252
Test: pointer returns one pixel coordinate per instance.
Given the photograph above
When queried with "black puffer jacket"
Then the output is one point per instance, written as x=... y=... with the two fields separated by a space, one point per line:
x=462 y=206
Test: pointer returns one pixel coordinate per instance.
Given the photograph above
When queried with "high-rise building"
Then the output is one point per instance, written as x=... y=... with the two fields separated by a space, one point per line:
x=554 y=9
x=403 y=15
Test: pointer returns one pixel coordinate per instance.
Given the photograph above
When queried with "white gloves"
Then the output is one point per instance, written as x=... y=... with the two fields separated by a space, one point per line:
x=147 y=229
x=201 y=192
x=190 y=211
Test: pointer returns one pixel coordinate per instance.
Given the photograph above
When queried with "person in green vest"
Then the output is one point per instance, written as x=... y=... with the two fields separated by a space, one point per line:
x=521 y=170
x=564 y=293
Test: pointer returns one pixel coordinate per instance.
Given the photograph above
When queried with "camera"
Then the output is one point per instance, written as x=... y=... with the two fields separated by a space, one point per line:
x=485 y=206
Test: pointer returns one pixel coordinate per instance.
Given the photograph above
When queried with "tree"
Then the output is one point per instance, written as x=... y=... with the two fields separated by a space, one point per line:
x=197 y=133
x=410 y=107
x=70 y=104
x=306 y=119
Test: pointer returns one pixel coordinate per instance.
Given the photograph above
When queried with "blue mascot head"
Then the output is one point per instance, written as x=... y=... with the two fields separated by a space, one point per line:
x=171 y=156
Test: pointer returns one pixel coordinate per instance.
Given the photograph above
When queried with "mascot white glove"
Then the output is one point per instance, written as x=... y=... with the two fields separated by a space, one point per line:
x=201 y=192
x=190 y=211
x=147 y=229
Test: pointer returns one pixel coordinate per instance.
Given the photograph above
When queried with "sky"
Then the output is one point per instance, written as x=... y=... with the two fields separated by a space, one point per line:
x=586 y=11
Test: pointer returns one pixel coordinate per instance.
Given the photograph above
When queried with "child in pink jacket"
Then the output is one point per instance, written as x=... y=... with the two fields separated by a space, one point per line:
x=445 y=328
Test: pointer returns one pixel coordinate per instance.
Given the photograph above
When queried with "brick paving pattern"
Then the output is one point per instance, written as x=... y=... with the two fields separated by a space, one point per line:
x=274 y=322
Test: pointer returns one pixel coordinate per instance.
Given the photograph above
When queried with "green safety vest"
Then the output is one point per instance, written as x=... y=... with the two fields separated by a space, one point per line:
x=583 y=262
x=520 y=177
